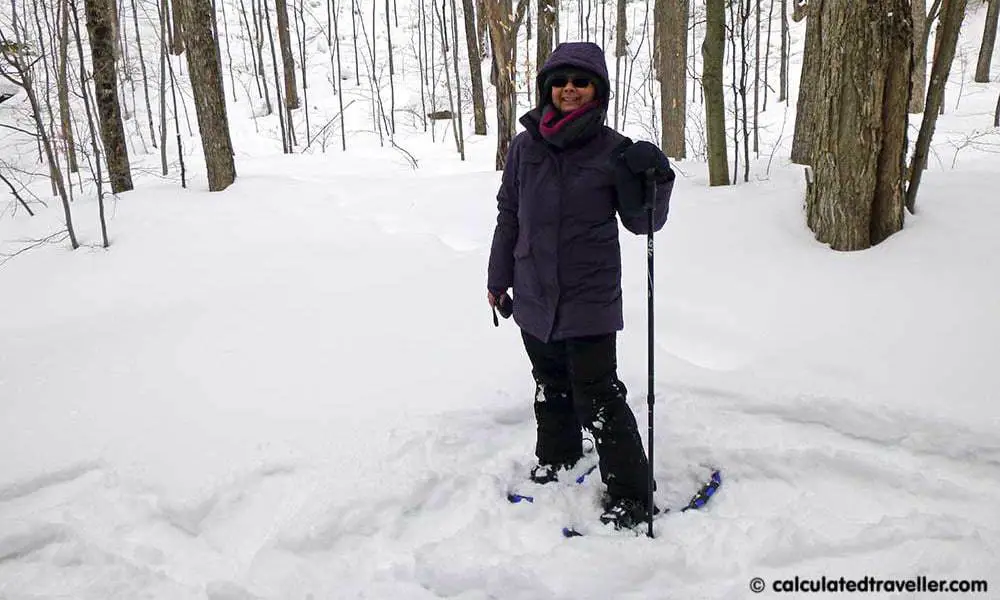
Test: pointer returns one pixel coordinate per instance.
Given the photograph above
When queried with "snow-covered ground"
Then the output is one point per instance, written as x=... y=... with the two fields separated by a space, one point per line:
x=293 y=389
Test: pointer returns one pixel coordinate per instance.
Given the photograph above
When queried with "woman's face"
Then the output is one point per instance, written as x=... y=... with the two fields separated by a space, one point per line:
x=570 y=91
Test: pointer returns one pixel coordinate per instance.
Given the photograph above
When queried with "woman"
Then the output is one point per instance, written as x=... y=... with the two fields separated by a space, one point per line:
x=556 y=244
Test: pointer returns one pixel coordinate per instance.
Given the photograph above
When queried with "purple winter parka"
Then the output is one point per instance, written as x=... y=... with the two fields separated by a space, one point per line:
x=556 y=238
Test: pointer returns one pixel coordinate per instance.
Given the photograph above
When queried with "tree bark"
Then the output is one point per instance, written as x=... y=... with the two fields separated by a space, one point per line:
x=503 y=25
x=952 y=15
x=856 y=195
x=287 y=58
x=672 y=44
x=475 y=68
x=989 y=41
x=99 y=28
x=812 y=62
x=209 y=94
x=783 y=84
x=918 y=78
x=713 y=51
x=62 y=84
x=548 y=12
x=177 y=31
x=621 y=50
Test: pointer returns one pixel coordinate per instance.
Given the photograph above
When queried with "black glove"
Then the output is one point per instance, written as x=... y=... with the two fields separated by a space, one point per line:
x=642 y=156
x=631 y=166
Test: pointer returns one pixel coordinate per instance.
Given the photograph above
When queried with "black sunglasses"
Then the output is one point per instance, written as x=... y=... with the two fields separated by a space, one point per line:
x=578 y=81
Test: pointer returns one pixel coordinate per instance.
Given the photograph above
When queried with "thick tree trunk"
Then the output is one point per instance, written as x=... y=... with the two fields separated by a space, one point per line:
x=952 y=15
x=855 y=198
x=989 y=41
x=475 y=68
x=672 y=70
x=812 y=62
x=287 y=58
x=503 y=25
x=548 y=12
x=99 y=28
x=890 y=189
x=209 y=95
x=713 y=50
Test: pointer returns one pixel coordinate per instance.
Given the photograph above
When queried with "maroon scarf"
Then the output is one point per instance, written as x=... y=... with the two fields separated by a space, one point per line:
x=563 y=130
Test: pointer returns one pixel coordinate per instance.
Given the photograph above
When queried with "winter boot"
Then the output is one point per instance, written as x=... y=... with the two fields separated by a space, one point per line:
x=625 y=513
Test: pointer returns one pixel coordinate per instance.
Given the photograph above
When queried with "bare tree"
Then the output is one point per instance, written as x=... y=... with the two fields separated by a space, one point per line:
x=287 y=57
x=62 y=82
x=176 y=32
x=209 y=94
x=300 y=34
x=621 y=51
x=332 y=16
x=94 y=145
x=392 y=64
x=283 y=121
x=952 y=15
x=17 y=54
x=672 y=18
x=548 y=14
x=713 y=52
x=145 y=77
x=475 y=68
x=855 y=198
x=989 y=41
x=918 y=78
x=783 y=84
x=101 y=32
x=458 y=85
x=504 y=21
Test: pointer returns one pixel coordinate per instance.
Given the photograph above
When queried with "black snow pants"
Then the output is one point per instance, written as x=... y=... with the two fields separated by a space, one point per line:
x=577 y=385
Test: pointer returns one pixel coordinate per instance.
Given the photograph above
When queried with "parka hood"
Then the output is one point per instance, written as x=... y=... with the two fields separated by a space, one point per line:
x=586 y=56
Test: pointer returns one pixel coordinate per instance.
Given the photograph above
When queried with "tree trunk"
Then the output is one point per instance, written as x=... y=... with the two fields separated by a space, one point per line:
x=106 y=90
x=918 y=78
x=548 y=12
x=209 y=95
x=712 y=51
x=952 y=15
x=812 y=62
x=855 y=198
x=475 y=68
x=177 y=33
x=13 y=54
x=989 y=41
x=503 y=26
x=145 y=75
x=458 y=82
x=783 y=84
x=673 y=75
x=62 y=84
x=996 y=114
x=287 y=58
x=621 y=51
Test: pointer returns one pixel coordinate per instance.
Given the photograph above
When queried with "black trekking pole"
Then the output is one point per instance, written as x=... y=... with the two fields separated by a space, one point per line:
x=650 y=398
